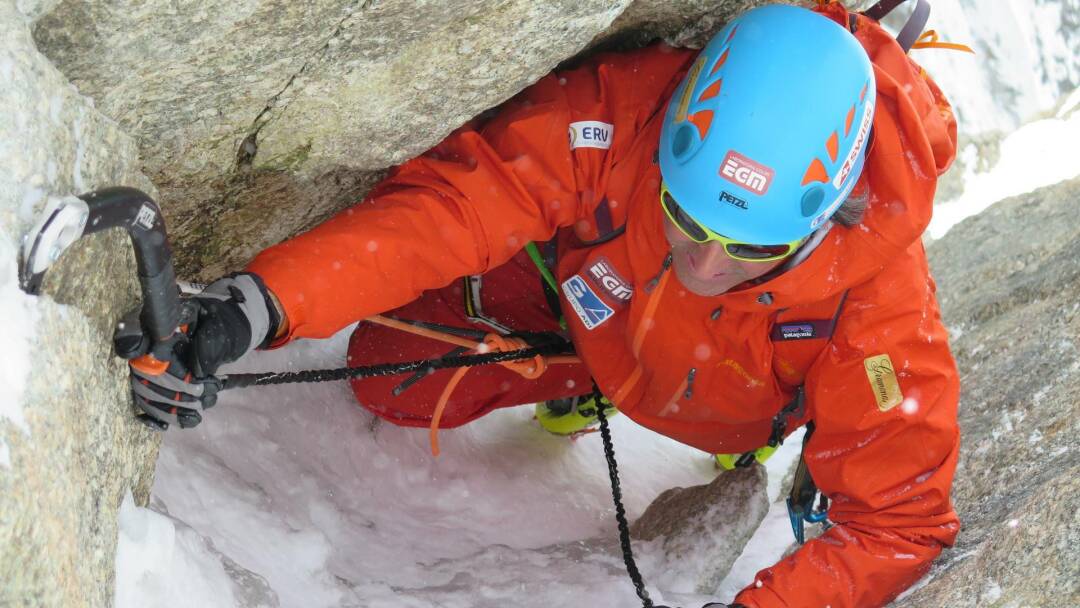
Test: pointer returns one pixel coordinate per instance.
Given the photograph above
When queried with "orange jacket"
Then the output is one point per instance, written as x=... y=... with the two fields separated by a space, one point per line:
x=882 y=392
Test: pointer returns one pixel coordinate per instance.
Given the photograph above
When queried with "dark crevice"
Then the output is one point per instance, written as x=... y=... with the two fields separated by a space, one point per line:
x=245 y=155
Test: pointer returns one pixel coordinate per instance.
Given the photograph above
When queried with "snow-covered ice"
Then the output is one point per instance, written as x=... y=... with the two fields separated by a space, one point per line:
x=300 y=485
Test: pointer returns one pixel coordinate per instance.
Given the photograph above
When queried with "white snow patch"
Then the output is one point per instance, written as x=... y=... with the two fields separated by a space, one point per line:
x=16 y=334
x=991 y=592
x=160 y=566
x=303 y=487
x=1040 y=153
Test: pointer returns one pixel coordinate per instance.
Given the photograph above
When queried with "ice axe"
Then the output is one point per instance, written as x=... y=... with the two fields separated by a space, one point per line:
x=66 y=220
x=149 y=341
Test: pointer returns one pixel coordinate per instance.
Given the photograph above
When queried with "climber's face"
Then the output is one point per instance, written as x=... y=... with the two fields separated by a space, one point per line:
x=706 y=269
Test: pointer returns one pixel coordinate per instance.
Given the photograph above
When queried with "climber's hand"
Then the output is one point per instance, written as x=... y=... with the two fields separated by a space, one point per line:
x=230 y=317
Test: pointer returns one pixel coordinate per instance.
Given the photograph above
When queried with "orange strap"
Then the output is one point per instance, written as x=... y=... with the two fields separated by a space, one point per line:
x=930 y=40
x=528 y=368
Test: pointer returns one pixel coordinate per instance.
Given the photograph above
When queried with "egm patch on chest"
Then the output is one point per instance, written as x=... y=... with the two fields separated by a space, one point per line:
x=589 y=307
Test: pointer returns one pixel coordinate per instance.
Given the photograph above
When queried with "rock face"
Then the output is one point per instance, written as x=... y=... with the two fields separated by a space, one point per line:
x=698 y=521
x=69 y=448
x=257 y=119
x=1009 y=289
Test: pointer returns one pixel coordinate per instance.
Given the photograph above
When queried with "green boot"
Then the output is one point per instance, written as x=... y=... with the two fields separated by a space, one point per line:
x=572 y=414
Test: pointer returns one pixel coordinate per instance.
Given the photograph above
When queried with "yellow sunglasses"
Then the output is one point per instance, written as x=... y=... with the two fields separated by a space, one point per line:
x=743 y=252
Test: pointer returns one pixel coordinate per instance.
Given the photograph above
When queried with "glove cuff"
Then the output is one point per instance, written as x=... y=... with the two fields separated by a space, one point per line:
x=250 y=295
x=273 y=318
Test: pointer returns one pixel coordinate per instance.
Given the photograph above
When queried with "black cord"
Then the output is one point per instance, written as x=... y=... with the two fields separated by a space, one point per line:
x=389 y=369
x=620 y=512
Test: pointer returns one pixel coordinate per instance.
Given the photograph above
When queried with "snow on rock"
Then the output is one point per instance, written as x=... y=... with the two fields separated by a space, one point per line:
x=1025 y=59
x=703 y=529
x=162 y=563
x=16 y=335
x=160 y=566
x=1040 y=153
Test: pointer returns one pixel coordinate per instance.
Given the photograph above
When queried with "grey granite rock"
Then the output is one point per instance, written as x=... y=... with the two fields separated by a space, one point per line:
x=75 y=450
x=1010 y=292
x=700 y=521
x=256 y=120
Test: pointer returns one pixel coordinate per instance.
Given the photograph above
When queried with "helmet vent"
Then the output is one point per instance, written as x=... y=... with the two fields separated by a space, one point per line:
x=811 y=200
x=685 y=137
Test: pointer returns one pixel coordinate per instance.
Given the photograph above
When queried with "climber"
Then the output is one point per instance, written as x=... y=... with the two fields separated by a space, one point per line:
x=723 y=233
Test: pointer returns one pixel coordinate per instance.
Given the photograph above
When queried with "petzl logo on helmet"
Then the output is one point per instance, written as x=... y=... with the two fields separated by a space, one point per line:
x=731 y=199
x=860 y=141
x=740 y=170
x=589 y=307
x=590 y=134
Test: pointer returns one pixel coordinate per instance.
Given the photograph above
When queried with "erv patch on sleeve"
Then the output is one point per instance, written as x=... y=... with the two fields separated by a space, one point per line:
x=589 y=307
x=590 y=134
x=882 y=376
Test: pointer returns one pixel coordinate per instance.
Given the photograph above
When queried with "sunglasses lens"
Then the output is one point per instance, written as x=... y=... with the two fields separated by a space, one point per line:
x=757 y=252
x=685 y=223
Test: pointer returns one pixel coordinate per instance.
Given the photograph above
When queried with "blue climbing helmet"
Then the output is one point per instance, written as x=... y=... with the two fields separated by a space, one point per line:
x=767 y=134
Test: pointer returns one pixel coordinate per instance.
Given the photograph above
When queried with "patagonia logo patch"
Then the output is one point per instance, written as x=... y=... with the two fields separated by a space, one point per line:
x=603 y=274
x=744 y=172
x=802 y=330
x=882 y=376
x=731 y=199
x=589 y=307
x=590 y=134
x=797 y=331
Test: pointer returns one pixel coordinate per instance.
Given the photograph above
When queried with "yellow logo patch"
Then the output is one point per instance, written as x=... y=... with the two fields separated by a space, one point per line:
x=882 y=376
x=741 y=371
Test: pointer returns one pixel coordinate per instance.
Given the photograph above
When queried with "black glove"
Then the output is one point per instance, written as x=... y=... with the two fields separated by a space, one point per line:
x=227 y=319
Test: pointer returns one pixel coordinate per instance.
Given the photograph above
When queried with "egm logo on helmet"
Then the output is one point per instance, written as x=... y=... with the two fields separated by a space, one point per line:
x=740 y=170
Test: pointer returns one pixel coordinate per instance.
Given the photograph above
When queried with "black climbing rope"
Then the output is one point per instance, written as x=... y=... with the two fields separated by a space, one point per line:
x=389 y=369
x=620 y=512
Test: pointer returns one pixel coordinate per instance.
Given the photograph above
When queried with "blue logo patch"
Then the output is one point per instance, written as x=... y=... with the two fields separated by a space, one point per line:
x=588 y=306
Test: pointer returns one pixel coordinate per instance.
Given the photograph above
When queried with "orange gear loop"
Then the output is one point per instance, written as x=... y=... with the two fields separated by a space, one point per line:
x=528 y=368
x=931 y=40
